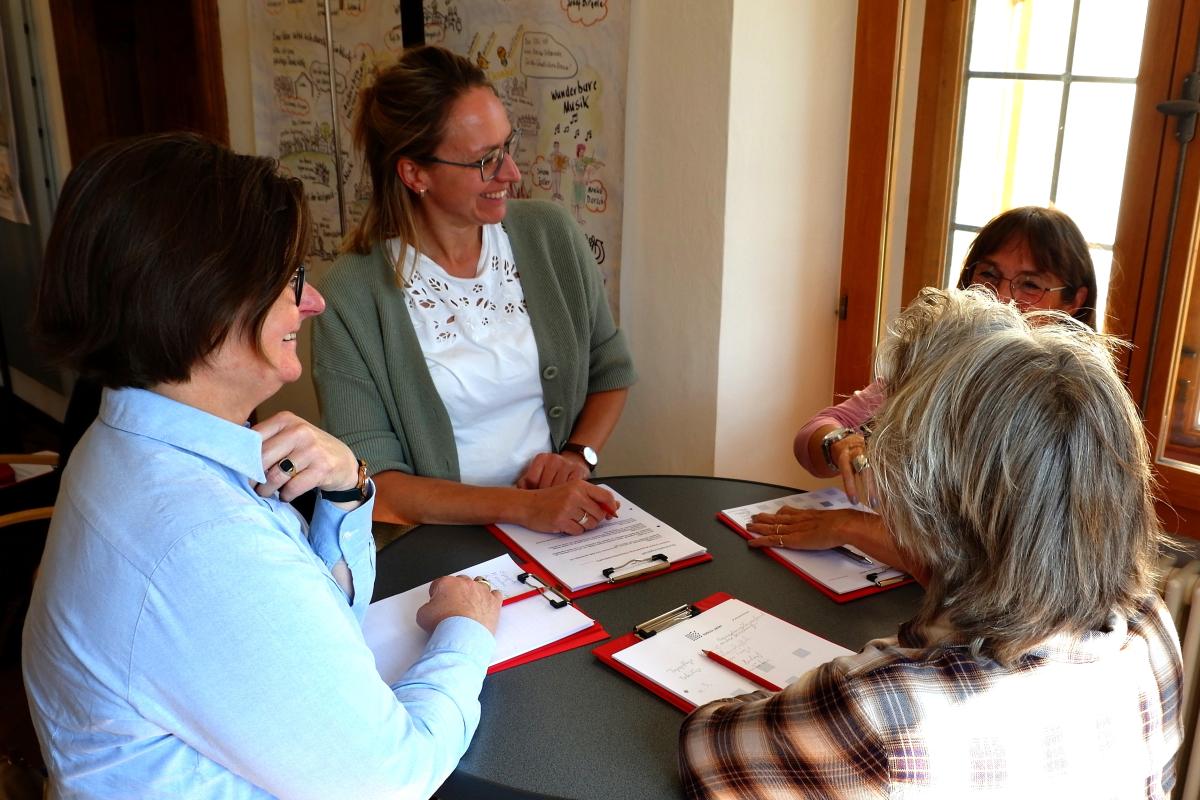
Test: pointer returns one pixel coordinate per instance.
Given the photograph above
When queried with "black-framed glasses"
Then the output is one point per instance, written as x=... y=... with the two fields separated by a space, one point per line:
x=1024 y=288
x=490 y=165
x=297 y=283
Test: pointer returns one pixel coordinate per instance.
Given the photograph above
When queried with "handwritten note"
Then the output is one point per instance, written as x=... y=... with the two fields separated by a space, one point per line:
x=391 y=631
x=762 y=643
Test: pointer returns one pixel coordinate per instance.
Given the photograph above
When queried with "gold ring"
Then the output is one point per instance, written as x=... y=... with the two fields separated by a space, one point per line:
x=484 y=581
x=287 y=467
x=780 y=538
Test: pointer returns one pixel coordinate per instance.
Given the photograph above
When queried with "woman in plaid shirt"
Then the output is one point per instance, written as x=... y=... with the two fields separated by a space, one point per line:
x=1014 y=472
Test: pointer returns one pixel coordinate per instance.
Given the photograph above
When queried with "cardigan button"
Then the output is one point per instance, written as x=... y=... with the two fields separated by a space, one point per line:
x=555 y=412
x=550 y=372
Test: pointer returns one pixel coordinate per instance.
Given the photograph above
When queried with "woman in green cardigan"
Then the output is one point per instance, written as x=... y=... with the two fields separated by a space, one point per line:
x=467 y=351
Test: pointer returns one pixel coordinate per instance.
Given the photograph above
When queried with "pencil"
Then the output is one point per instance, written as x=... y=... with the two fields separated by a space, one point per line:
x=740 y=670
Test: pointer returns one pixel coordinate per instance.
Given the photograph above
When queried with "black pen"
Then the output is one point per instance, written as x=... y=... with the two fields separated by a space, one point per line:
x=848 y=553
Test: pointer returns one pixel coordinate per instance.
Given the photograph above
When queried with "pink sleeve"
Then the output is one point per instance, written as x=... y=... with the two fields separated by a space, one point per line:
x=850 y=413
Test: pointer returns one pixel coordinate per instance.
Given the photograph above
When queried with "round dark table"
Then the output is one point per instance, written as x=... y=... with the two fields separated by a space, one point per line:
x=568 y=726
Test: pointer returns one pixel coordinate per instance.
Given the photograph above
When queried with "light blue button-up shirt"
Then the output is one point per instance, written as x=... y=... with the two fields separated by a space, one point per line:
x=186 y=637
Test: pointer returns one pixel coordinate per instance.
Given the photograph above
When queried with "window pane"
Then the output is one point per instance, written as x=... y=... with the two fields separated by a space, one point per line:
x=1021 y=36
x=1008 y=145
x=1093 y=159
x=1108 y=41
x=960 y=242
x=1102 y=261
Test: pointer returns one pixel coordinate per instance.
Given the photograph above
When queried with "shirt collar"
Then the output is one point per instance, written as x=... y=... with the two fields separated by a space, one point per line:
x=156 y=416
x=1066 y=647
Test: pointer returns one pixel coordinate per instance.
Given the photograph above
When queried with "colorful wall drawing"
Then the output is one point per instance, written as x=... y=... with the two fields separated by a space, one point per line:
x=560 y=68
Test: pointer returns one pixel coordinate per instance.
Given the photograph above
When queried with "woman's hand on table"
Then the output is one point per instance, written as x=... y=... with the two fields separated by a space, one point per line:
x=298 y=456
x=573 y=508
x=806 y=529
x=460 y=596
x=553 y=469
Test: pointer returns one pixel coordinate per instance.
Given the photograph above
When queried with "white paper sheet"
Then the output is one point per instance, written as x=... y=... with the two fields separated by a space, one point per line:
x=391 y=631
x=625 y=543
x=762 y=643
x=831 y=568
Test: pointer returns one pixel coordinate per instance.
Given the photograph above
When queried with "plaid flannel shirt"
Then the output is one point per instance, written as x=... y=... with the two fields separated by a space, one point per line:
x=917 y=716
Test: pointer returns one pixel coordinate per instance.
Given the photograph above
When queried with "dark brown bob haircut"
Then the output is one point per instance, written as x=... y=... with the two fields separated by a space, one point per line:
x=1055 y=243
x=162 y=247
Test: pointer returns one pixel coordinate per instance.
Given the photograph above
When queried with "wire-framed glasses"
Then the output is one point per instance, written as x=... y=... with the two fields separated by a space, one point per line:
x=297 y=283
x=490 y=165
x=1024 y=288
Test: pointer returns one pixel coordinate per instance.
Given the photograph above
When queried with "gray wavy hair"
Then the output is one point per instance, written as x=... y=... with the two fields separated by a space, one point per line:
x=1012 y=464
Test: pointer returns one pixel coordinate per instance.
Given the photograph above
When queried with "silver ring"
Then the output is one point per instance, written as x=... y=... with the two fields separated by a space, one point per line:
x=780 y=538
x=484 y=581
x=287 y=467
x=583 y=520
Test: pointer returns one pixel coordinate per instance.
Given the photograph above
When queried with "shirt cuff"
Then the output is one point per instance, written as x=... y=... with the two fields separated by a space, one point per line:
x=466 y=636
x=336 y=534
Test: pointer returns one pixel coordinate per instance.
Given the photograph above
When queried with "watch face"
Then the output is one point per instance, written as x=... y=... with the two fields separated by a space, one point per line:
x=589 y=455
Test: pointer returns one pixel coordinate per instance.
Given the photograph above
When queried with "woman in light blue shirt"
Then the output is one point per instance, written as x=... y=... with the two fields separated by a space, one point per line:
x=190 y=635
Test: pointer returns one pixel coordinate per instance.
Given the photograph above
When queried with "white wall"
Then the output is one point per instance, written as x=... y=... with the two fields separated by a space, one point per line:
x=790 y=93
x=676 y=139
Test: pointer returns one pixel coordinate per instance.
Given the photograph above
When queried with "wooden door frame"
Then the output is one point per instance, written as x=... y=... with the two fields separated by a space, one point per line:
x=868 y=177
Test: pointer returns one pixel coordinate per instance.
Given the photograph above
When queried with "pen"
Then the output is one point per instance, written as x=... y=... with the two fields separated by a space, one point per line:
x=611 y=512
x=877 y=579
x=740 y=670
x=848 y=553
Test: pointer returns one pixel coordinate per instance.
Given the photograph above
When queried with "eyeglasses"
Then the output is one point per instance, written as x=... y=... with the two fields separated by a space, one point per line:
x=1024 y=288
x=297 y=283
x=490 y=165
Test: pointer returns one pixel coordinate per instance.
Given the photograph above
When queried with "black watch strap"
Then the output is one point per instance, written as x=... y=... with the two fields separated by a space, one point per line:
x=355 y=495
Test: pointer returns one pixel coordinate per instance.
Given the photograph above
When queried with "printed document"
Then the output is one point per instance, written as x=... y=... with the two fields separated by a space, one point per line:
x=625 y=544
x=391 y=631
x=755 y=640
x=839 y=572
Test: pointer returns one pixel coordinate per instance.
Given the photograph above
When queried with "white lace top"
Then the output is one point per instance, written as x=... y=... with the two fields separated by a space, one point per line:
x=479 y=347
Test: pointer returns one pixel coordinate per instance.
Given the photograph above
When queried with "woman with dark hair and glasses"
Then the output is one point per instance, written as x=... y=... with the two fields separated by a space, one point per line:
x=468 y=353
x=189 y=633
x=1034 y=256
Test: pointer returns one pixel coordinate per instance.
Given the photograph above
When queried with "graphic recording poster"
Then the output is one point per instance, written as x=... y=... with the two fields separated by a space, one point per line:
x=560 y=68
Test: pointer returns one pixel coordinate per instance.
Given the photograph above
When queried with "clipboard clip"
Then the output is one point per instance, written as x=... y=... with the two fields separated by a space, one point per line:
x=657 y=562
x=553 y=596
x=663 y=621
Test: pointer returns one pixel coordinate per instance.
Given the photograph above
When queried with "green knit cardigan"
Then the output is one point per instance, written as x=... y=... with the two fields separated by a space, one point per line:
x=373 y=385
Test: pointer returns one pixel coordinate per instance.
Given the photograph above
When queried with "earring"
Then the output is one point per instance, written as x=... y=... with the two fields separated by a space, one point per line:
x=421 y=193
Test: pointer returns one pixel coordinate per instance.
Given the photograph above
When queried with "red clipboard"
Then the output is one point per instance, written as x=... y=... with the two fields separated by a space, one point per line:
x=845 y=597
x=586 y=636
x=541 y=572
x=606 y=651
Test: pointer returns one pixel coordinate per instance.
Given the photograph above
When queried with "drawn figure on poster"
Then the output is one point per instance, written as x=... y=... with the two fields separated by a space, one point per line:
x=581 y=169
x=558 y=165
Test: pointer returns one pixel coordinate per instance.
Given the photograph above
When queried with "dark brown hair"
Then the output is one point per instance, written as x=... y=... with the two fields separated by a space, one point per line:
x=162 y=246
x=403 y=113
x=1055 y=243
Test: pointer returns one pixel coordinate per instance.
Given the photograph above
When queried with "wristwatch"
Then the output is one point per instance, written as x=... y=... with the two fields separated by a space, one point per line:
x=355 y=495
x=832 y=438
x=588 y=454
